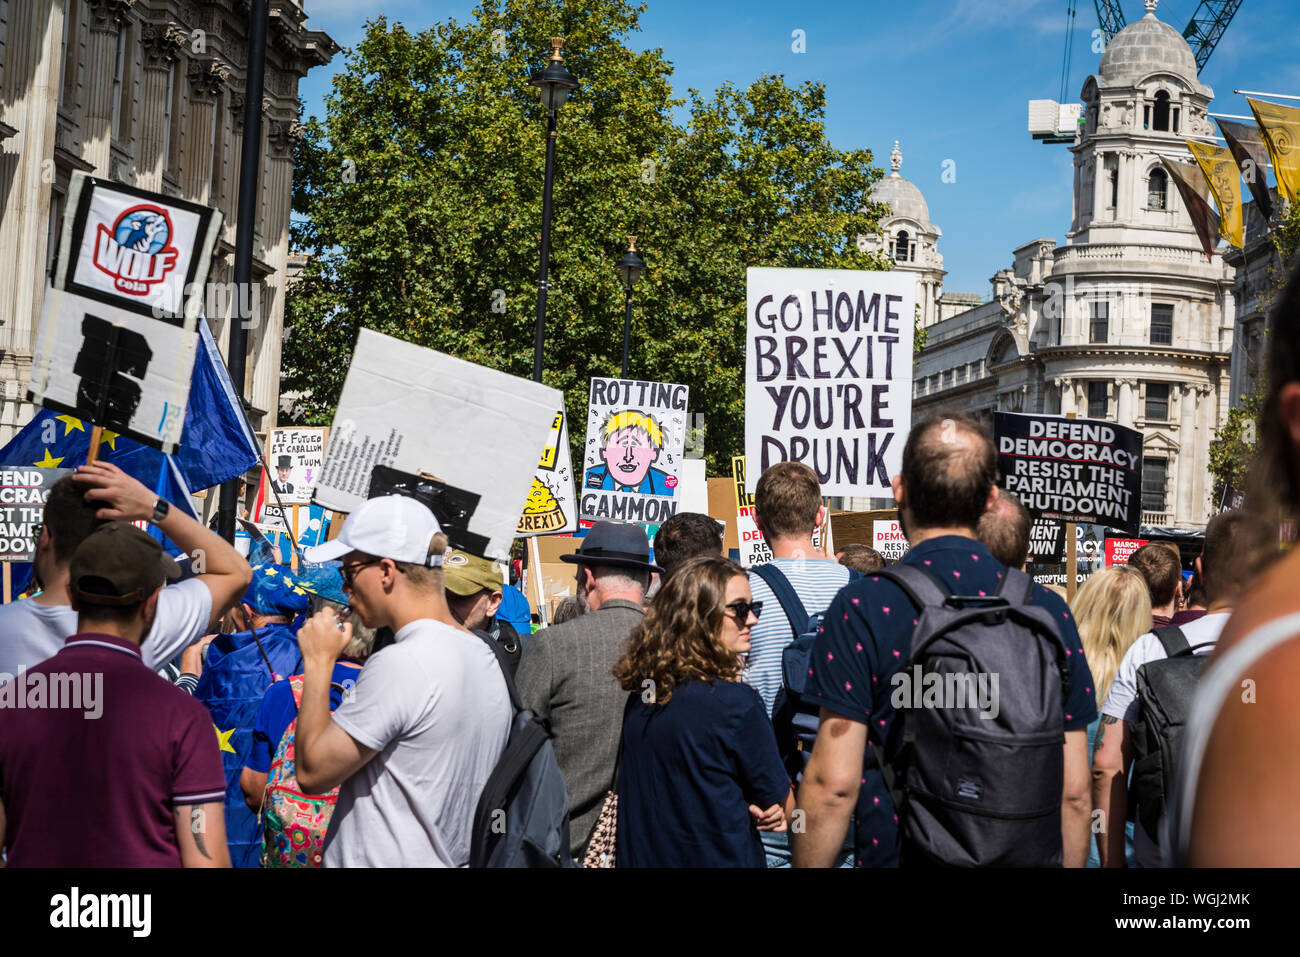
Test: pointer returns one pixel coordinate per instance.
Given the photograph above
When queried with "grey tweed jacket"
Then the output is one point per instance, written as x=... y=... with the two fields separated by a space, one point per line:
x=566 y=678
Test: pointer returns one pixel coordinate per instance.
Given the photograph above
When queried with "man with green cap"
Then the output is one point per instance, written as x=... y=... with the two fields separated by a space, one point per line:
x=474 y=589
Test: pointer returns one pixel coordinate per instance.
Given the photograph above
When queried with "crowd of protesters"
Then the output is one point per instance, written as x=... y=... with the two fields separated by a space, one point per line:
x=811 y=711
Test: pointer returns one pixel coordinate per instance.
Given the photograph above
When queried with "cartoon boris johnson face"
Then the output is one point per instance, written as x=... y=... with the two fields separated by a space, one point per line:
x=633 y=441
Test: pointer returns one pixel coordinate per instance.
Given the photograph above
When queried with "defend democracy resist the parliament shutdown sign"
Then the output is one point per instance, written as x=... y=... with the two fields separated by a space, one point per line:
x=1075 y=470
x=828 y=374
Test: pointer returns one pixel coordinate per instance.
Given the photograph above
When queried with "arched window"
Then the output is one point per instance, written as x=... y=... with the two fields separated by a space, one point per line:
x=1162 y=111
x=902 y=247
x=1157 y=190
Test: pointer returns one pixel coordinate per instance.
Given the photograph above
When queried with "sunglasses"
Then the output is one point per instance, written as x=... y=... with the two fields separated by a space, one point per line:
x=740 y=610
x=349 y=572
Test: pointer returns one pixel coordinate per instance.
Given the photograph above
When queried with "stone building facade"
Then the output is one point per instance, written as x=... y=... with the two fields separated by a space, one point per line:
x=1128 y=319
x=148 y=93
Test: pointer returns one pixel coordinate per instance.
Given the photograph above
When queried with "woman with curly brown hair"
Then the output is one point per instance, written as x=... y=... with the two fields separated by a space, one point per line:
x=700 y=772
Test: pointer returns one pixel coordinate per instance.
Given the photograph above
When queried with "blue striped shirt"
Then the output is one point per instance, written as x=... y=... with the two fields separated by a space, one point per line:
x=816 y=581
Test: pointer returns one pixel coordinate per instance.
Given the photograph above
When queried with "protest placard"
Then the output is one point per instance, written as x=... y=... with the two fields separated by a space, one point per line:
x=118 y=329
x=828 y=374
x=551 y=507
x=754 y=550
x=636 y=432
x=1118 y=550
x=1048 y=566
x=420 y=411
x=23 y=492
x=295 y=456
x=888 y=539
x=1076 y=470
x=1047 y=541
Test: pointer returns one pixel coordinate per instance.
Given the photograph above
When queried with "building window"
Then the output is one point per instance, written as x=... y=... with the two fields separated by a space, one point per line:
x=1157 y=190
x=1154 y=473
x=1157 y=407
x=1162 y=325
x=1098 y=401
x=1175 y=119
x=1162 y=111
x=1146 y=117
x=1099 y=327
x=902 y=247
x=1114 y=189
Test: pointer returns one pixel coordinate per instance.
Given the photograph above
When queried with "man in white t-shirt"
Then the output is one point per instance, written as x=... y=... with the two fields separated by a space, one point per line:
x=1226 y=564
x=34 y=629
x=412 y=746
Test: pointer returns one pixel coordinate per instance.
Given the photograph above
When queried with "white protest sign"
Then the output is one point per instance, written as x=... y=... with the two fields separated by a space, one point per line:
x=118 y=330
x=296 y=457
x=887 y=538
x=23 y=492
x=636 y=432
x=420 y=411
x=551 y=507
x=754 y=550
x=828 y=374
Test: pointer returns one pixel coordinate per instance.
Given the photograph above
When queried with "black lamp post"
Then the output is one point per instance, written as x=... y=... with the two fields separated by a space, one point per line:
x=554 y=84
x=630 y=267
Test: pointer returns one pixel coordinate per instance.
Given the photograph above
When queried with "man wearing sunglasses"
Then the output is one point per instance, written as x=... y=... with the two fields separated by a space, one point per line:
x=413 y=745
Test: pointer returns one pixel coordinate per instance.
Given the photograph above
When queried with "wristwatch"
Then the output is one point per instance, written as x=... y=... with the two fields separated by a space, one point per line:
x=160 y=510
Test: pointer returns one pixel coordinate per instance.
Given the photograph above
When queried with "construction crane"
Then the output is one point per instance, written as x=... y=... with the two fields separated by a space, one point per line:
x=1203 y=31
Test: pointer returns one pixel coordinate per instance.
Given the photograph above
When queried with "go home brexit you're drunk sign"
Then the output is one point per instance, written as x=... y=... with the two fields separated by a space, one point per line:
x=828 y=374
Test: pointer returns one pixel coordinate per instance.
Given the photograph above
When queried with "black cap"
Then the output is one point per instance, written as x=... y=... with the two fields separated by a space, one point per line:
x=611 y=543
x=118 y=564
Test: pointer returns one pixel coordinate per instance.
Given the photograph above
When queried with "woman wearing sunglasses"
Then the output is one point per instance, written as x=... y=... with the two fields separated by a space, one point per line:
x=700 y=772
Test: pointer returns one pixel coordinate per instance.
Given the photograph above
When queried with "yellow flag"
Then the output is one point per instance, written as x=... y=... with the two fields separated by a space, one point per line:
x=1280 y=128
x=1224 y=179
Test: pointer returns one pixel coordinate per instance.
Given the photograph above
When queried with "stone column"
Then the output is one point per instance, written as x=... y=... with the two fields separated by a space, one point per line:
x=1206 y=413
x=106 y=18
x=1189 y=463
x=1068 y=403
x=1124 y=411
x=162 y=48
x=207 y=81
x=1099 y=196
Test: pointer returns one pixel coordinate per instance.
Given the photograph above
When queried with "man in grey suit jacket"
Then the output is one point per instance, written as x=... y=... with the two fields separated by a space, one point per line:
x=566 y=675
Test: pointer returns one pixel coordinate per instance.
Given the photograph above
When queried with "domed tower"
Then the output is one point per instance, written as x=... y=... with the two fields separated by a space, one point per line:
x=909 y=236
x=1136 y=323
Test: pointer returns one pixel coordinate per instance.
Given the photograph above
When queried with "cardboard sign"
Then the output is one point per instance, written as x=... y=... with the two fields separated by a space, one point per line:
x=754 y=550
x=636 y=432
x=888 y=539
x=23 y=492
x=118 y=330
x=295 y=457
x=551 y=506
x=828 y=374
x=1232 y=498
x=1076 y=470
x=420 y=411
x=1118 y=550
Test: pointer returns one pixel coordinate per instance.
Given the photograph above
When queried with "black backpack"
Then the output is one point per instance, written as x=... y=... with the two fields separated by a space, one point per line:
x=794 y=720
x=522 y=817
x=1165 y=688
x=973 y=791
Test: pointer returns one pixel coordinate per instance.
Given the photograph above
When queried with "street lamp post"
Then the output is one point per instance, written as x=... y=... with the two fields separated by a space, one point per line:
x=554 y=84
x=630 y=267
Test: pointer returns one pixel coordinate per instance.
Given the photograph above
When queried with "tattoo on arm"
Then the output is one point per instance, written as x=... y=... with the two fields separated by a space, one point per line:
x=1101 y=728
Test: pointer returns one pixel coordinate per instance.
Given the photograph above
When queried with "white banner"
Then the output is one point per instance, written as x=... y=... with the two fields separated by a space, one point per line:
x=828 y=374
x=551 y=507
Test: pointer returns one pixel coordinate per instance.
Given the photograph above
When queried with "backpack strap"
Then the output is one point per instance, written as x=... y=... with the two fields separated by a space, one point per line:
x=920 y=587
x=504 y=662
x=1015 y=582
x=1172 y=639
x=785 y=594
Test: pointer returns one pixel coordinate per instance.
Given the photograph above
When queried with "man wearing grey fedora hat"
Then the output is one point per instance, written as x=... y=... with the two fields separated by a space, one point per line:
x=566 y=676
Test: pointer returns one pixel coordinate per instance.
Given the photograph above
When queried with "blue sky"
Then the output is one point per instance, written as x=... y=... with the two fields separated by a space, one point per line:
x=949 y=79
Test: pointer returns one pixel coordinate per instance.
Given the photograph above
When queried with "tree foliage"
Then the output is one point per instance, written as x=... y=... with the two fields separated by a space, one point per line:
x=419 y=205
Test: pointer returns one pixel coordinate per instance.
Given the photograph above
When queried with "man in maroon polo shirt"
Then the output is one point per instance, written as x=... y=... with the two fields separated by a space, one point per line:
x=102 y=762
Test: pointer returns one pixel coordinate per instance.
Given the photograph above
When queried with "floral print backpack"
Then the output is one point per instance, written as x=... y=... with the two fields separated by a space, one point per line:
x=293 y=823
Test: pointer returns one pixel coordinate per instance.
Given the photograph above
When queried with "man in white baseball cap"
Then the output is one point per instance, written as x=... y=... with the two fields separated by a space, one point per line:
x=414 y=743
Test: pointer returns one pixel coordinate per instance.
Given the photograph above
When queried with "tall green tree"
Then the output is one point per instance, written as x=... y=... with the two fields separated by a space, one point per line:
x=419 y=204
